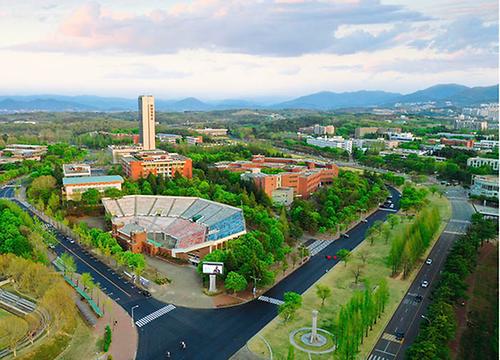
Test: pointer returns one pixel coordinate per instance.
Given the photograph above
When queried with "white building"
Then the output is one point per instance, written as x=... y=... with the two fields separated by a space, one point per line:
x=119 y=151
x=407 y=136
x=147 y=121
x=478 y=162
x=484 y=185
x=73 y=187
x=168 y=138
x=282 y=196
x=72 y=170
x=485 y=145
x=334 y=142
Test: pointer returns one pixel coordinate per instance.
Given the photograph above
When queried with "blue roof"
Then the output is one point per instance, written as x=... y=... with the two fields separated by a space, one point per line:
x=91 y=179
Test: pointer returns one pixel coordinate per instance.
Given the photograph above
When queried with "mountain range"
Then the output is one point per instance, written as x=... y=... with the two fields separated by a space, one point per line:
x=459 y=95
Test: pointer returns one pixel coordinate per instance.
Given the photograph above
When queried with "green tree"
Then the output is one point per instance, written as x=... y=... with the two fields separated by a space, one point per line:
x=344 y=255
x=235 y=282
x=323 y=292
x=91 y=197
x=69 y=264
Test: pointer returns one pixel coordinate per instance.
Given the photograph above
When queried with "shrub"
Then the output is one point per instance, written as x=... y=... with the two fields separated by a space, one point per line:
x=107 y=339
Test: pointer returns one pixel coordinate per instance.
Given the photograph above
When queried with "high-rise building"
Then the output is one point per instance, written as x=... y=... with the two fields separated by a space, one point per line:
x=147 y=121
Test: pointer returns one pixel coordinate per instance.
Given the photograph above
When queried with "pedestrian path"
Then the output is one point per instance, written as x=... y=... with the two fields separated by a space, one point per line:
x=271 y=300
x=318 y=245
x=154 y=315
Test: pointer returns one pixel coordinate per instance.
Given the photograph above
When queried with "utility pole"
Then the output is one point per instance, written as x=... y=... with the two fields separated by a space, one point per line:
x=133 y=307
x=255 y=279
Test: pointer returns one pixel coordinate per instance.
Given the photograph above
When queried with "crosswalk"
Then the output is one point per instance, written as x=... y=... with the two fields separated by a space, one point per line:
x=390 y=337
x=377 y=357
x=271 y=300
x=154 y=315
x=318 y=245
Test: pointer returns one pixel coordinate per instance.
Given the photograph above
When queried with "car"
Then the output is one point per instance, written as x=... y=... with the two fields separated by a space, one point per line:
x=391 y=206
x=328 y=257
x=345 y=235
x=428 y=261
x=146 y=293
x=400 y=335
x=72 y=241
x=364 y=220
x=52 y=246
x=424 y=284
x=419 y=298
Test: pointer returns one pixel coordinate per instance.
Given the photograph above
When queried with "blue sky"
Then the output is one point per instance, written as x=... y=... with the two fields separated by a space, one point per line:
x=231 y=49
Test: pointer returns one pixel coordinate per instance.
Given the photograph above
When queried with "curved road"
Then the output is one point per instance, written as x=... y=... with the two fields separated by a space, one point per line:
x=209 y=333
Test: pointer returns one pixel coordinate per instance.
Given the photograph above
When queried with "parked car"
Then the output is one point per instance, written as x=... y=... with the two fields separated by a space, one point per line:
x=364 y=220
x=428 y=261
x=424 y=284
x=146 y=293
x=345 y=235
x=399 y=335
x=419 y=298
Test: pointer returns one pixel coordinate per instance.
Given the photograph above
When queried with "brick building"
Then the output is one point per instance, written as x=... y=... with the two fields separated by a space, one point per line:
x=157 y=162
x=458 y=142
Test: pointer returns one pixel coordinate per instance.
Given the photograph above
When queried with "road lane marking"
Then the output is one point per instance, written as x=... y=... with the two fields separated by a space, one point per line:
x=97 y=271
x=271 y=300
x=454 y=232
x=154 y=315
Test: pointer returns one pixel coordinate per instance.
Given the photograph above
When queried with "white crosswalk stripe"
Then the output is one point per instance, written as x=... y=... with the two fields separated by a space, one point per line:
x=317 y=246
x=154 y=315
x=376 y=357
x=271 y=300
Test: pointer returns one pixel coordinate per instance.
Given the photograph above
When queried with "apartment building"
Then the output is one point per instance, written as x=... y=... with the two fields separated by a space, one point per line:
x=74 y=187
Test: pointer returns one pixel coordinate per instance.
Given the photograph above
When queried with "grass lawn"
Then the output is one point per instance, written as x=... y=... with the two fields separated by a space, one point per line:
x=77 y=341
x=341 y=280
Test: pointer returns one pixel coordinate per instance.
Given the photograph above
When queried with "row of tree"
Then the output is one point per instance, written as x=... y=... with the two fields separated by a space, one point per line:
x=440 y=328
x=356 y=318
x=410 y=243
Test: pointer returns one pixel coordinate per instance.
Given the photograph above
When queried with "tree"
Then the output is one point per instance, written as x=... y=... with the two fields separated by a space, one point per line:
x=86 y=280
x=91 y=197
x=386 y=233
x=323 y=292
x=363 y=256
x=235 y=282
x=69 y=264
x=292 y=302
x=344 y=255
x=284 y=266
x=393 y=220
x=13 y=329
x=356 y=272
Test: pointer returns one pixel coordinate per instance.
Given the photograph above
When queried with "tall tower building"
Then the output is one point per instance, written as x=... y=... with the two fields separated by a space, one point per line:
x=147 y=121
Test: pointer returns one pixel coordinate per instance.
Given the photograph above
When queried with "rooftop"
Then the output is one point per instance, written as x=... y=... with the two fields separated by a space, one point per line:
x=91 y=179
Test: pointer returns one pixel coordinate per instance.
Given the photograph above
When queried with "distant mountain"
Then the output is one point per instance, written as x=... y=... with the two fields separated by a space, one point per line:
x=326 y=100
x=476 y=95
x=458 y=94
x=433 y=93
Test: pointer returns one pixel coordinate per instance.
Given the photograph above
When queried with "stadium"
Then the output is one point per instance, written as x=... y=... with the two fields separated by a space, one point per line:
x=177 y=226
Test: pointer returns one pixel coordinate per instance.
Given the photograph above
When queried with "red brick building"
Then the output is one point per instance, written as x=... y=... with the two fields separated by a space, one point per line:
x=458 y=142
x=157 y=162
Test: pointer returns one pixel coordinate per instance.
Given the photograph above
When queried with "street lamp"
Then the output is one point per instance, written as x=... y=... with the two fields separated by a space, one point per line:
x=133 y=307
x=426 y=318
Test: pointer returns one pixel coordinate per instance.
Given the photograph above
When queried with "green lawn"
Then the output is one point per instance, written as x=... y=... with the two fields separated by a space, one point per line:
x=341 y=281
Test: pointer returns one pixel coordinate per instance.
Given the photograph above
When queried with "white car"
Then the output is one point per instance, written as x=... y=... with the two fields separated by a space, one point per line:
x=424 y=284
x=428 y=261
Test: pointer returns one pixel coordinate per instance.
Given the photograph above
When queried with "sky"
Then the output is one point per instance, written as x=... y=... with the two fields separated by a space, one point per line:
x=224 y=49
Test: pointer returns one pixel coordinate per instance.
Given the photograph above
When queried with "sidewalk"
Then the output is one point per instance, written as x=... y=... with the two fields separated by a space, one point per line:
x=124 y=336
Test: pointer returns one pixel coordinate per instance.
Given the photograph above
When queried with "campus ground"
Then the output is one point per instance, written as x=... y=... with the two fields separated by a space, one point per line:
x=341 y=280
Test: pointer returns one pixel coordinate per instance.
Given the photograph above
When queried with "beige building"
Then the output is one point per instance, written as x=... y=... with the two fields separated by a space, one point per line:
x=119 y=151
x=147 y=122
x=74 y=187
x=283 y=196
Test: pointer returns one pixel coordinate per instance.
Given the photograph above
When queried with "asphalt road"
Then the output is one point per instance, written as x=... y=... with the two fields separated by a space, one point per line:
x=408 y=315
x=209 y=333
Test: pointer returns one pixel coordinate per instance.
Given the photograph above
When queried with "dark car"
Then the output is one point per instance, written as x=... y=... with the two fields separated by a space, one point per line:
x=400 y=335
x=419 y=298
x=146 y=293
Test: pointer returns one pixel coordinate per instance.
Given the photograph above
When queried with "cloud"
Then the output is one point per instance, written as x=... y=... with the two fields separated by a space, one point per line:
x=467 y=32
x=284 y=28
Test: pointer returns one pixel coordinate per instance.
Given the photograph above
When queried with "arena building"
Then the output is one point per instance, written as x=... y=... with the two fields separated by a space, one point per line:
x=177 y=226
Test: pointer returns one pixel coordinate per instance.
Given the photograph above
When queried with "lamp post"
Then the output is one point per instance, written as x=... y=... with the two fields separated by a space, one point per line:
x=133 y=307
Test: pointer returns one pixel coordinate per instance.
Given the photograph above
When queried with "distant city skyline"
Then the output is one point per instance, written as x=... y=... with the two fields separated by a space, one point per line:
x=215 y=49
